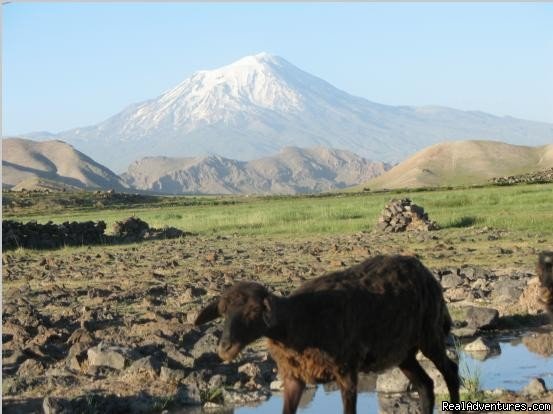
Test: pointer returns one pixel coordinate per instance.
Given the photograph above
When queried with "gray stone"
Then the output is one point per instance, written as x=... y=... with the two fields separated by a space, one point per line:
x=171 y=375
x=188 y=394
x=482 y=348
x=30 y=368
x=481 y=318
x=451 y=280
x=113 y=357
x=469 y=273
x=146 y=366
x=398 y=404
x=535 y=388
x=508 y=290
x=464 y=332
x=180 y=356
x=77 y=349
x=206 y=344
x=392 y=380
x=52 y=405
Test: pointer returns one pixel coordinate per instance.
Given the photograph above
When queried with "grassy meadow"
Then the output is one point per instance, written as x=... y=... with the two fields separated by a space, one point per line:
x=514 y=208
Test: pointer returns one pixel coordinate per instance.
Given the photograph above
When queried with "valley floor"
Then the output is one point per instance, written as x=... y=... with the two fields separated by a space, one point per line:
x=108 y=328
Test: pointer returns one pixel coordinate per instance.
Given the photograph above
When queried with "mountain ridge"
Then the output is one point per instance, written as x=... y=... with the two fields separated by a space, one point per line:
x=293 y=170
x=259 y=104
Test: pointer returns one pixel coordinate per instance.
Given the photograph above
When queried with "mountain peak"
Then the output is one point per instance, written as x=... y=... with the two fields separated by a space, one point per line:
x=261 y=103
x=259 y=58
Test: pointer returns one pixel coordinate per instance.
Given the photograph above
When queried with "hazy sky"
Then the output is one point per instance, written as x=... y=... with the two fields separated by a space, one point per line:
x=68 y=65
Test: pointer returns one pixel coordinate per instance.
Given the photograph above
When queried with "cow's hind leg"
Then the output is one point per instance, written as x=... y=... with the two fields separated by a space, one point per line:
x=448 y=368
x=420 y=380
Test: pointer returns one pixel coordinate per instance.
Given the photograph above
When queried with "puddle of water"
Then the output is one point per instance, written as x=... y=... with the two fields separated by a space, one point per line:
x=512 y=369
x=323 y=402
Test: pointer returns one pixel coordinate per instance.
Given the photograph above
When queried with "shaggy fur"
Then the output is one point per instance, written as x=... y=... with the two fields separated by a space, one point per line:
x=368 y=318
x=545 y=274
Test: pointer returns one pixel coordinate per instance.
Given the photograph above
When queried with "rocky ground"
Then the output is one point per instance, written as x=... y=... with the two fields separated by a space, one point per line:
x=109 y=328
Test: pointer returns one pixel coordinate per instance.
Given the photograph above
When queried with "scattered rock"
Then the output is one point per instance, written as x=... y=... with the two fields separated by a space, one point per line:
x=544 y=176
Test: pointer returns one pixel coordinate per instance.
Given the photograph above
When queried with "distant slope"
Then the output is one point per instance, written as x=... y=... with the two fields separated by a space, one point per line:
x=293 y=170
x=32 y=163
x=464 y=163
x=259 y=104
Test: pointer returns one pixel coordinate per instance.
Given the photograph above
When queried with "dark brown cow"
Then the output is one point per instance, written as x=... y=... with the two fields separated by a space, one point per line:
x=367 y=318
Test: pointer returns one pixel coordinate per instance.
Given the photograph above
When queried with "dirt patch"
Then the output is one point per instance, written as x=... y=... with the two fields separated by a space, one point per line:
x=134 y=305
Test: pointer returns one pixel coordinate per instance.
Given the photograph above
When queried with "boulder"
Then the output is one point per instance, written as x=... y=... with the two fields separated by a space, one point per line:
x=481 y=318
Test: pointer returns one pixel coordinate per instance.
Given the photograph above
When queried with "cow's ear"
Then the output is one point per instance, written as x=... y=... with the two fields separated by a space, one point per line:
x=208 y=313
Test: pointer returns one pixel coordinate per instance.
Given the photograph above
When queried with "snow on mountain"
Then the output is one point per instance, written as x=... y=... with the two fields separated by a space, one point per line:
x=262 y=103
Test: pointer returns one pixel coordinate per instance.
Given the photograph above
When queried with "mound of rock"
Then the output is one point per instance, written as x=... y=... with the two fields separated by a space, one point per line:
x=49 y=236
x=134 y=229
x=537 y=177
x=403 y=215
x=130 y=229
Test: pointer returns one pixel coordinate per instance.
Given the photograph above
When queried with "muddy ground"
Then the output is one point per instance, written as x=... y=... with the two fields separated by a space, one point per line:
x=109 y=328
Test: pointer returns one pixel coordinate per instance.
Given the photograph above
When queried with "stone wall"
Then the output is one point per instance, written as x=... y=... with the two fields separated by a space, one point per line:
x=32 y=235
x=545 y=176
x=49 y=236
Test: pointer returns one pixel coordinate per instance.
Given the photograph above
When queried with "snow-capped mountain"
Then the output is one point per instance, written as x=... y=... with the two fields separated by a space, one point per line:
x=260 y=104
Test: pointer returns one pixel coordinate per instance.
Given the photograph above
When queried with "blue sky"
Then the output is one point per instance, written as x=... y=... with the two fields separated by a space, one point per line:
x=74 y=64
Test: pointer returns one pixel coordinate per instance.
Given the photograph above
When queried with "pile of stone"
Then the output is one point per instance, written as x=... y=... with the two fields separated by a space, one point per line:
x=134 y=229
x=50 y=236
x=131 y=229
x=544 y=176
x=403 y=215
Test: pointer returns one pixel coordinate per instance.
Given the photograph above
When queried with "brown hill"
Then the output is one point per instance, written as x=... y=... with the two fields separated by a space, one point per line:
x=463 y=163
x=32 y=163
x=293 y=170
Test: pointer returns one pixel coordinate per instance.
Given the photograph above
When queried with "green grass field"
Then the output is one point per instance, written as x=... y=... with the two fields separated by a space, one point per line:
x=518 y=208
